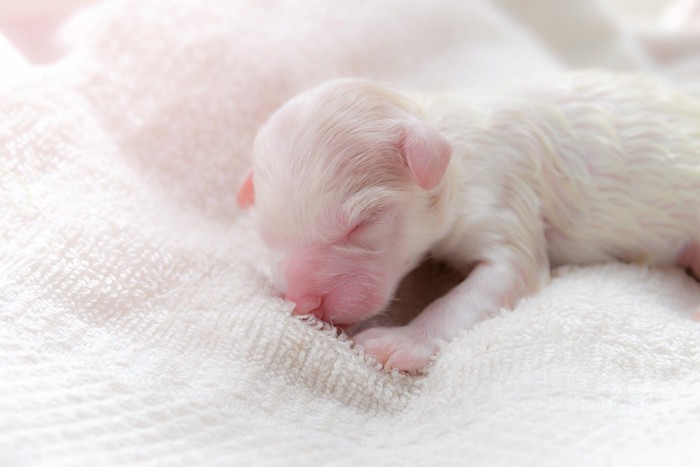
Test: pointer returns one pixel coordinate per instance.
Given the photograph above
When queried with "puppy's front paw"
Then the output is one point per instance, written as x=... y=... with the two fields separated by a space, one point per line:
x=395 y=347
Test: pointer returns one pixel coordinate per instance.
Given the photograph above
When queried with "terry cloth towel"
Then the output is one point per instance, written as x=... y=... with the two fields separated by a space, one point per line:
x=137 y=322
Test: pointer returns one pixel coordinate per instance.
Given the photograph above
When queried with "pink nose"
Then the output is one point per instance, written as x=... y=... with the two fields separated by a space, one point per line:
x=304 y=304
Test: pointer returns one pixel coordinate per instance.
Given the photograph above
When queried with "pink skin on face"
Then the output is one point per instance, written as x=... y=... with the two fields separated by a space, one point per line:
x=337 y=282
x=334 y=287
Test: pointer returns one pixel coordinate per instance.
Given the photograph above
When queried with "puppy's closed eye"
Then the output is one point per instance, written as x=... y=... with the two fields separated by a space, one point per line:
x=371 y=232
x=367 y=234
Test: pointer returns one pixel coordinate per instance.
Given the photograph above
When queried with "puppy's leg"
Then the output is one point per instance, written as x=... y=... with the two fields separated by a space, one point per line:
x=501 y=281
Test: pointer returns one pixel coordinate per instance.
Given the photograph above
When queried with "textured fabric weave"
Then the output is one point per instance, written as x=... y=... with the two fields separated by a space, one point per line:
x=137 y=324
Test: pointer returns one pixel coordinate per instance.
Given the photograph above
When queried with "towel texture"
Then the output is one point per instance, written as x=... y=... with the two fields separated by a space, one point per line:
x=137 y=323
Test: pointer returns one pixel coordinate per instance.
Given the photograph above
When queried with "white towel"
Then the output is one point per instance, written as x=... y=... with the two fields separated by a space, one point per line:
x=137 y=323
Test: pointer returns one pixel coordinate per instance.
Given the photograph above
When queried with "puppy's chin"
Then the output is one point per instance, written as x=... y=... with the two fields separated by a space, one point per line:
x=347 y=307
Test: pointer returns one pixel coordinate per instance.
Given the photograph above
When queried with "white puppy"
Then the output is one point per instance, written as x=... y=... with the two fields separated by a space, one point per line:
x=353 y=183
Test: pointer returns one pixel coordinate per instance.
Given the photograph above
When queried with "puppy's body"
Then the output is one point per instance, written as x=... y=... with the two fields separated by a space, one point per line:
x=598 y=167
x=586 y=168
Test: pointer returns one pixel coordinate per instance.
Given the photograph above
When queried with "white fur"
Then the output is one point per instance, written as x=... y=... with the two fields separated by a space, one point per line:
x=584 y=168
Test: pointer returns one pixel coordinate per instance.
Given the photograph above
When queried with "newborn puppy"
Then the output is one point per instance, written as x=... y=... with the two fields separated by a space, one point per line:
x=353 y=183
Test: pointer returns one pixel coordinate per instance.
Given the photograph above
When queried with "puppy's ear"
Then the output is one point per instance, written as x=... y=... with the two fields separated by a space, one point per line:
x=246 y=193
x=425 y=151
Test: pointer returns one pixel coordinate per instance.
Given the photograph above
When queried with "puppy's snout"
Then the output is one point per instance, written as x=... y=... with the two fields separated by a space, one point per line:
x=298 y=288
x=305 y=304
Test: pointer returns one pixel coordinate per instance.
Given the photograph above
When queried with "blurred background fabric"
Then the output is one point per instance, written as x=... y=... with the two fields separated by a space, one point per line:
x=137 y=322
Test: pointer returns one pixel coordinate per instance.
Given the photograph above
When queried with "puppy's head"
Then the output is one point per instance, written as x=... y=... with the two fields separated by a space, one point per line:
x=346 y=191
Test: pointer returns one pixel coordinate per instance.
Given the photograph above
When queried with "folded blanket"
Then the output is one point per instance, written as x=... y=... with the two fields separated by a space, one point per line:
x=137 y=322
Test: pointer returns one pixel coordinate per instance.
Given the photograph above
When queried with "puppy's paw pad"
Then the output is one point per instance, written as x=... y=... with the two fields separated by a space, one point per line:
x=395 y=348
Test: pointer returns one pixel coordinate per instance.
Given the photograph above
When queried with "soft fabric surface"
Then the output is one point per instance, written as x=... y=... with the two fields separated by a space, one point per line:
x=137 y=324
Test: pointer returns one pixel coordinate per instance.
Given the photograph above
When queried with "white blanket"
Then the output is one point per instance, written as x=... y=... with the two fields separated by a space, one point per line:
x=137 y=323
